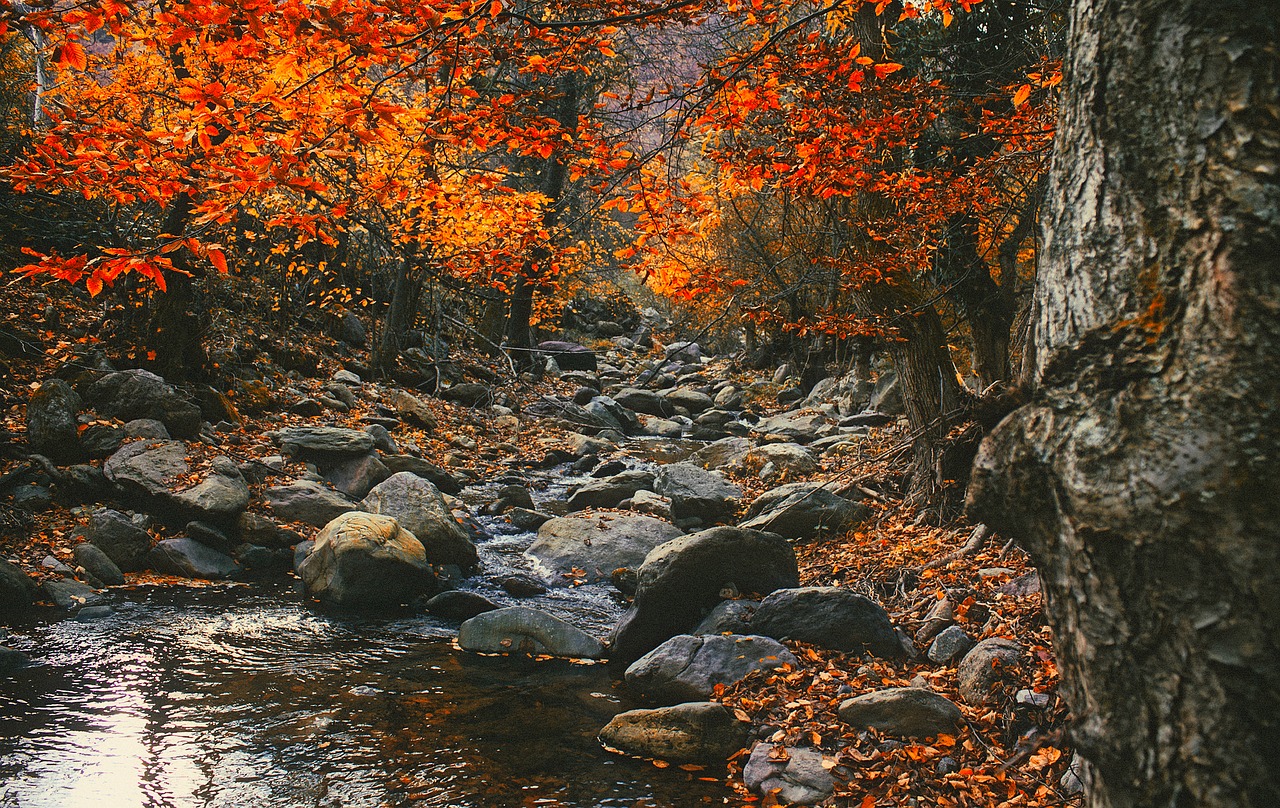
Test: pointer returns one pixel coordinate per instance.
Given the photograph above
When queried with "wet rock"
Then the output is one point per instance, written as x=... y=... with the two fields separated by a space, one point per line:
x=656 y=427
x=425 y=469
x=697 y=493
x=148 y=468
x=608 y=412
x=132 y=394
x=950 y=644
x=528 y=520
x=420 y=509
x=598 y=544
x=255 y=528
x=17 y=591
x=681 y=580
x=688 y=668
x=10 y=658
x=122 y=539
x=98 y=564
x=511 y=496
x=991 y=663
x=728 y=617
x=792 y=775
x=904 y=711
x=803 y=511
x=307 y=501
x=52 y=423
x=70 y=595
x=517 y=630
x=829 y=617
x=585 y=445
x=366 y=560
x=519 y=585
x=694 y=732
x=651 y=504
x=357 y=477
x=189 y=558
x=645 y=401
x=457 y=604
x=610 y=491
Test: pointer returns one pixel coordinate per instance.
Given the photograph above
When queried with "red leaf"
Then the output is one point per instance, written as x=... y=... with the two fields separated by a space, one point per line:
x=219 y=260
x=71 y=55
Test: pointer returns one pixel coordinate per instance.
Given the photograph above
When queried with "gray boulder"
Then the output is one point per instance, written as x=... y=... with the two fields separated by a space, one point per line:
x=696 y=732
x=887 y=396
x=17 y=591
x=991 y=663
x=425 y=469
x=610 y=491
x=688 y=668
x=468 y=394
x=413 y=410
x=52 y=424
x=71 y=595
x=775 y=461
x=692 y=400
x=307 y=501
x=683 y=579
x=366 y=560
x=696 y=493
x=794 y=775
x=518 y=630
x=599 y=544
x=801 y=511
x=120 y=538
x=829 y=617
x=189 y=558
x=728 y=617
x=420 y=509
x=903 y=711
x=220 y=498
x=357 y=476
x=133 y=394
x=148 y=468
x=324 y=445
x=645 y=401
x=725 y=453
x=457 y=604
x=800 y=427
x=950 y=644
x=98 y=564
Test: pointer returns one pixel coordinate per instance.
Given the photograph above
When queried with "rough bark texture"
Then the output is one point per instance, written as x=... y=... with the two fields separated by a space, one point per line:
x=1142 y=476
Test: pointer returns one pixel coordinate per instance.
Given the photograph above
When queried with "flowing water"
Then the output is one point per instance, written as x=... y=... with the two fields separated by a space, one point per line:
x=245 y=696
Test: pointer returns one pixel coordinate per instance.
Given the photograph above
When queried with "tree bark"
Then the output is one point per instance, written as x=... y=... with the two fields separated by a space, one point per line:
x=1142 y=475
x=179 y=317
x=401 y=311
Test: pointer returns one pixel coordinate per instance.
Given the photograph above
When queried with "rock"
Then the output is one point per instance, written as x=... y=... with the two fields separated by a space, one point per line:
x=346 y=377
x=456 y=604
x=691 y=400
x=610 y=491
x=1072 y=781
x=190 y=559
x=307 y=408
x=992 y=662
x=528 y=520
x=120 y=538
x=98 y=564
x=694 y=732
x=645 y=401
x=10 y=659
x=517 y=630
x=413 y=410
x=210 y=536
x=366 y=560
x=17 y=591
x=728 y=398
x=357 y=477
x=903 y=711
x=683 y=352
x=614 y=416
x=792 y=775
x=468 y=394
x=220 y=498
x=801 y=511
x=950 y=644
x=777 y=461
x=101 y=440
x=148 y=468
x=887 y=396
x=425 y=469
x=829 y=617
x=651 y=504
x=598 y=544
x=728 y=617
x=797 y=426
x=52 y=424
x=725 y=453
x=351 y=331
x=323 y=445
x=307 y=501
x=420 y=509
x=68 y=594
x=148 y=428
x=257 y=529
x=585 y=445
x=382 y=440
x=569 y=355
x=687 y=668
x=519 y=585
x=656 y=427
x=511 y=496
x=681 y=580
x=698 y=493
x=132 y=394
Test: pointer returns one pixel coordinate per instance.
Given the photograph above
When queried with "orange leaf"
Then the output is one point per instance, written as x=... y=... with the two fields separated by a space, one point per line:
x=1021 y=96
x=219 y=260
x=885 y=69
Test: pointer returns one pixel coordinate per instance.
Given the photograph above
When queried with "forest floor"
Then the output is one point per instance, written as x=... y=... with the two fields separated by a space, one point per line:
x=1011 y=750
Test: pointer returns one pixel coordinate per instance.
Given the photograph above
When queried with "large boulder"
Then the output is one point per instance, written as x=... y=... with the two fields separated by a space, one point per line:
x=696 y=493
x=695 y=732
x=600 y=544
x=694 y=401
x=829 y=617
x=905 y=711
x=132 y=394
x=683 y=579
x=420 y=509
x=793 y=775
x=98 y=564
x=569 y=355
x=323 y=445
x=726 y=453
x=124 y=541
x=52 y=420
x=644 y=401
x=778 y=461
x=988 y=665
x=220 y=498
x=608 y=492
x=189 y=558
x=17 y=591
x=518 y=630
x=803 y=510
x=357 y=476
x=440 y=478
x=366 y=560
x=798 y=427
x=148 y=468
x=413 y=410
x=307 y=501
x=688 y=668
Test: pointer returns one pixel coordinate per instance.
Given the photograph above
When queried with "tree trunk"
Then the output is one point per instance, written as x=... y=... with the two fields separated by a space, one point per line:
x=179 y=317
x=986 y=307
x=401 y=312
x=1142 y=475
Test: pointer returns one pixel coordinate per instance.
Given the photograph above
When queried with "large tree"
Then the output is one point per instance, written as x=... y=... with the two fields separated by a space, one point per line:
x=1141 y=475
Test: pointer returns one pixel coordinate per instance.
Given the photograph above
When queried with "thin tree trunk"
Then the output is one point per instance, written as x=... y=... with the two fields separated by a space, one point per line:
x=401 y=311
x=179 y=317
x=985 y=307
x=1142 y=475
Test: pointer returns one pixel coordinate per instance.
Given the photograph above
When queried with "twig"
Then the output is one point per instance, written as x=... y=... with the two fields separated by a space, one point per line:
x=976 y=541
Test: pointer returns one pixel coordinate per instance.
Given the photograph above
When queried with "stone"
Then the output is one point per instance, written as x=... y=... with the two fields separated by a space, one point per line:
x=363 y=560
x=120 y=538
x=148 y=468
x=220 y=498
x=585 y=445
x=52 y=420
x=189 y=558
x=794 y=775
x=528 y=520
x=778 y=461
x=802 y=511
x=518 y=630
x=520 y=585
x=728 y=617
x=148 y=428
x=382 y=440
x=357 y=477
x=101 y=440
x=692 y=400
x=645 y=401
x=420 y=509
x=132 y=394
x=307 y=501
x=651 y=504
x=656 y=427
x=569 y=355
x=351 y=330
x=695 y=732
x=681 y=580
x=688 y=668
x=950 y=644
x=468 y=394
x=697 y=493
x=725 y=453
x=307 y=408
x=911 y=712
x=323 y=445
x=887 y=396
x=98 y=564
x=598 y=544
x=11 y=658
x=425 y=469
x=511 y=496
x=263 y=531
x=829 y=617
x=797 y=427
x=610 y=491
x=457 y=604
x=17 y=591
x=70 y=595
x=990 y=663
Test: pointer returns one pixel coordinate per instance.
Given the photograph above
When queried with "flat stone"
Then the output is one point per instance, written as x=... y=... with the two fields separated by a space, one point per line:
x=70 y=595
x=457 y=604
x=688 y=668
x=693 y=732
x=794 y=776
x=189 y=558
x=903 y=711
x=829 y=617
x=307 y=501
x=598 y=544
x=518 y=630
